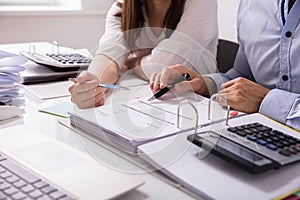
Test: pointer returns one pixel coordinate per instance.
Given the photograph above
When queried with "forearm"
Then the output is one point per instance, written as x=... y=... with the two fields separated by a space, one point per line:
x=105 y=69
x=282 y=106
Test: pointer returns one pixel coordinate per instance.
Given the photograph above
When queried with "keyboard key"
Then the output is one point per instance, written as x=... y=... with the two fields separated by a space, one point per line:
x=5 y=175
x=272 y=147
x=261 y=142
x=19 y=184
x=254 y=130
x=12 y=179
x=285 y=143
x=27 y=189
x=241 y=133
x=266 y=135
x=269 y=140
x=48 y=189
x=292 y=141
x=252 y=138
x=57 y=195
x=277 y=132
x=232 y=129
x=264 y=128
x=248 y=132
x=293 y=151
x=19 y=171
x=10 y=191
x=35 y=194
x=2 y=158
x=2 y=170
x=239 y=128
x=43 y=198
x=246 y=126
x=18 y=196
x=260 y=136
x=4 y=186
x=275 y=139
x=3 y=196
x=40 y=184
x=66 y=198
x=285 y=152
x=279 y=145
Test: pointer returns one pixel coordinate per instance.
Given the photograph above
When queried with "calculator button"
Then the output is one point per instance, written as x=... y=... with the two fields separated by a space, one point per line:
x=254 y=130
x=261 y=142
x=252 y=138
x=264 y=128
x=285 y=143
x=232 y=129
x=272 y=147
x=279 y=145
x=285 y=152
x=293 y=151
x=241 y=133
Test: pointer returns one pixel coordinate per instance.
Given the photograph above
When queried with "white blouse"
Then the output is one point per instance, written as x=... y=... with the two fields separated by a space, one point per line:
x=193 y=43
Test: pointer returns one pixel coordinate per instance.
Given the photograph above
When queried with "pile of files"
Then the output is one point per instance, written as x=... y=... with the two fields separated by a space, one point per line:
x=10 y=79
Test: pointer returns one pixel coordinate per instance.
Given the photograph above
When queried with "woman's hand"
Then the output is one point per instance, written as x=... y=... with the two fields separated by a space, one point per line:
x=85 y=93
x=195 y=83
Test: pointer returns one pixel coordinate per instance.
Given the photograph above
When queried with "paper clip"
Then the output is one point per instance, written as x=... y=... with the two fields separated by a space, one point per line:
x=196 y=113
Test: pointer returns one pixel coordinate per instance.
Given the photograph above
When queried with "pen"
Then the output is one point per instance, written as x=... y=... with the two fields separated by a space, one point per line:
x=105 y=85
x=170 y=86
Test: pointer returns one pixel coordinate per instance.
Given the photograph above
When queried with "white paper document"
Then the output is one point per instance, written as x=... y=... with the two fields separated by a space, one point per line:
x=138 y=121
x=211 y=177
x=49 y=90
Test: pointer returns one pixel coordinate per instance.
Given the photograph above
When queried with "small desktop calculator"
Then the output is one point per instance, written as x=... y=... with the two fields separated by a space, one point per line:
x=254 y=146
x=60 y=61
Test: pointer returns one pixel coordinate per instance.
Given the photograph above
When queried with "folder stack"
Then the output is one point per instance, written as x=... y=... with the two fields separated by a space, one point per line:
x=10 y=79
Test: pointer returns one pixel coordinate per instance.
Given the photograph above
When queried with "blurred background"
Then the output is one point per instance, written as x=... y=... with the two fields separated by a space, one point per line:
x=76 y=23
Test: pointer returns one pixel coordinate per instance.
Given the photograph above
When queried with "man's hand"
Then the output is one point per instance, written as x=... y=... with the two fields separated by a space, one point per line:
x=243 y=94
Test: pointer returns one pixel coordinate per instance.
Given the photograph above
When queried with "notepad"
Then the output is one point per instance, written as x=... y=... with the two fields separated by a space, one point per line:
x=49 y=90
x=60 y=110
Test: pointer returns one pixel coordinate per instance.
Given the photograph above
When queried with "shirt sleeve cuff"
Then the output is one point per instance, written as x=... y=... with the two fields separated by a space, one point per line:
x=277 y=104
x=219 y=79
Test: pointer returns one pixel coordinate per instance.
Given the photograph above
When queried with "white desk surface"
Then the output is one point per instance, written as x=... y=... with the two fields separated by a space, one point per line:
x=155 y=187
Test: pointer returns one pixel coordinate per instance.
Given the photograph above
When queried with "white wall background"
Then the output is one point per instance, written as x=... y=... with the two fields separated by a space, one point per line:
x=227 y=18
x=82 y=29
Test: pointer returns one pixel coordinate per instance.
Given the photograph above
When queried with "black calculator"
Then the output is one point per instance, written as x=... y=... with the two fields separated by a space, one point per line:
x=61 y=61
x=255 y=146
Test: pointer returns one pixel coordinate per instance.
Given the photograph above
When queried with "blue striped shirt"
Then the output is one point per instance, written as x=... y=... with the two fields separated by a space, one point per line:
x=269 y=54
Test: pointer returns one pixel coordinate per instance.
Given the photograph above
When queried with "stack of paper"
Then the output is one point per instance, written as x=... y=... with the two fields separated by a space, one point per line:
x=129 y=124
x=10 y=79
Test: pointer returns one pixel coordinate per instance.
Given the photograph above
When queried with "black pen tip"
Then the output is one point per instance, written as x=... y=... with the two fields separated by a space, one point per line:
x=151 y=99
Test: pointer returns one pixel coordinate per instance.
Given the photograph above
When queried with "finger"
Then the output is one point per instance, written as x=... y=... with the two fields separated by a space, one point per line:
x=157 y=82
x=92 y=102
x=99 y=99
x=165 y=77
x=71 y=88
x=85 y=76
x=228 y=84
x=84 y=96
x=85 y=86
x=152 y=80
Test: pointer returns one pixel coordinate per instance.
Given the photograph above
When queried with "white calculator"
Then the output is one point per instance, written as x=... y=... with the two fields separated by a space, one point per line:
x=59 y=61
